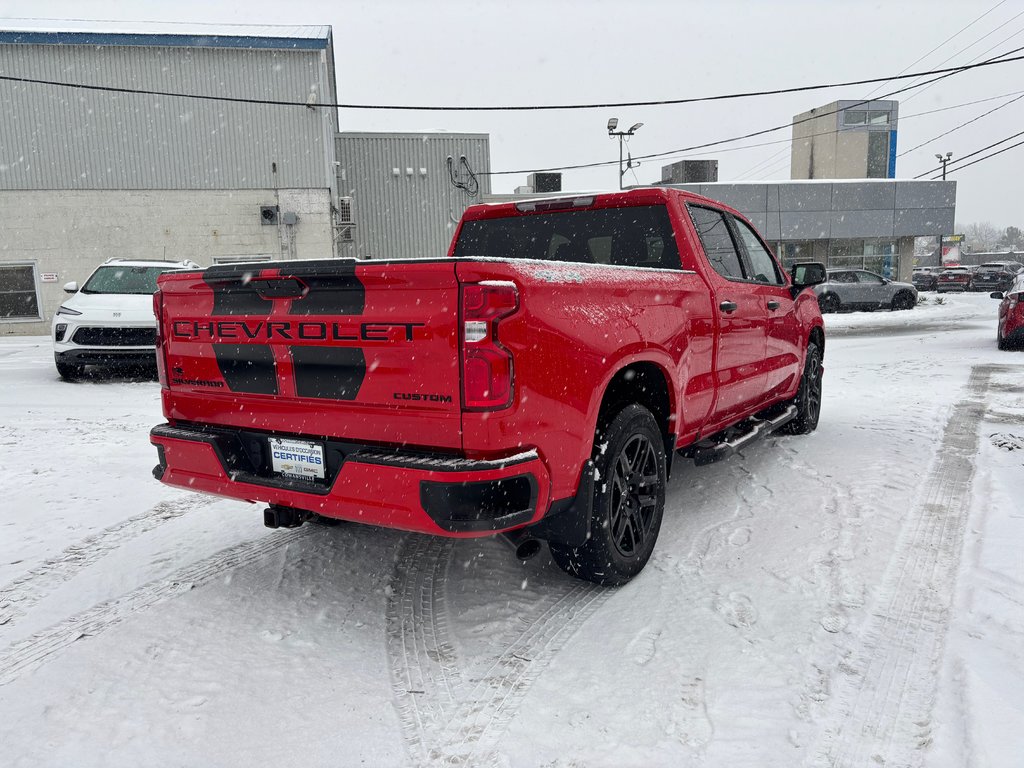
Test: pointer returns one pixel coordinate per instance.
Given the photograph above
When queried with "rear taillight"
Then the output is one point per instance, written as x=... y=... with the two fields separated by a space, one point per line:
x=1014 y=300
x=158 y=313
x=486 y=365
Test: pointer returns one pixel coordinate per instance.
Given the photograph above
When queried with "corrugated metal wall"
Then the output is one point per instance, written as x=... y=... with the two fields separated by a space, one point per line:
x=53 y=137
x=404 y=204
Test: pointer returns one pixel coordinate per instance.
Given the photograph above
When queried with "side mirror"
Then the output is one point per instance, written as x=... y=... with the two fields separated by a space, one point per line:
x=996 y=295
x=806 y=274
x=71 y=287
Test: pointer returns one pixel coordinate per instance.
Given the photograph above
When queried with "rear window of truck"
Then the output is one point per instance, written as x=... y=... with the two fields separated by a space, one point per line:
x=639 y=236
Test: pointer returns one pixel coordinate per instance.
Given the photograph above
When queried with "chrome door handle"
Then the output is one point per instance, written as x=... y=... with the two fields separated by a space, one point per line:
x=773 y=305
x=728 y=306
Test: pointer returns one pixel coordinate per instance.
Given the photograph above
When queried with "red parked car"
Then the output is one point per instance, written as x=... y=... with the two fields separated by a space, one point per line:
x=1010 y=331
x=954 y=279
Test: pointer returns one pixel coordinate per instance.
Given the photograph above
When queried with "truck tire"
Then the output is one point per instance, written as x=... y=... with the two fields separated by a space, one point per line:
x=629 y=501
x=808 y=395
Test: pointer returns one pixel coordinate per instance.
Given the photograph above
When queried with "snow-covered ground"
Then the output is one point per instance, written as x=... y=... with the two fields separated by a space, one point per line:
x=850 y=598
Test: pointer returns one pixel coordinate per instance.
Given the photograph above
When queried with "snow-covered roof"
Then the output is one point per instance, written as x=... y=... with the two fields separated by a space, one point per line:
x=166 y=34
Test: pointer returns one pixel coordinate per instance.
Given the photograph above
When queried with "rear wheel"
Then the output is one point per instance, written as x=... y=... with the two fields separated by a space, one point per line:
x=828 y=302
x=629 y=501
x=808 y=396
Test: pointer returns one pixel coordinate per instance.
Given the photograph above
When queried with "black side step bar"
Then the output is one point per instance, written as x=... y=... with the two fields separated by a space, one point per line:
x=735 y=438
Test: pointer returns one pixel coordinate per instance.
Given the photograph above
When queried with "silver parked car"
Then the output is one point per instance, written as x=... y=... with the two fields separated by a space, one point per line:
x=860 y=289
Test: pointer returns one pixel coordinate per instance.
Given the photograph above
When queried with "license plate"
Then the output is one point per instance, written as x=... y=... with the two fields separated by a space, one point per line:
x=299 y=459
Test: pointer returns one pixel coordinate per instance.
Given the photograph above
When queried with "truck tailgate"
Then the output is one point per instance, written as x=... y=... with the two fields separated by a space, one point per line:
x=360 y=351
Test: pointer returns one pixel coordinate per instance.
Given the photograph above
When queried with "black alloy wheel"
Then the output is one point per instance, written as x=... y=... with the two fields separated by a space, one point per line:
x=634 y=485
x=629 y=501
x=808 y=396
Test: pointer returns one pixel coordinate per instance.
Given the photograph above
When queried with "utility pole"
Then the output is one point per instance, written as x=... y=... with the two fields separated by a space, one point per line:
x=613 y=123
x=944 y=159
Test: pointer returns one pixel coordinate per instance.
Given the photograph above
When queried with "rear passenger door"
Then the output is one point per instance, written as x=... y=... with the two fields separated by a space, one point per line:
x=741 y=318
x=783 y=335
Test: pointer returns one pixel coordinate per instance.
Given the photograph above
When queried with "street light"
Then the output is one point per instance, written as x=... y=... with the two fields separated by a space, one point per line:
x=613 y=123
x=944 y=159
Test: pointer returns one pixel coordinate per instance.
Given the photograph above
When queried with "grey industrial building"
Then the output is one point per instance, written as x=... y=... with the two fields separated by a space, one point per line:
x=87 y=174
x=403 y=193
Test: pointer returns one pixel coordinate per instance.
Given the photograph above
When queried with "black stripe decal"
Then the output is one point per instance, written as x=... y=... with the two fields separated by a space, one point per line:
x=233 y=294
x=332 y=373
x=247 y=367
x=334 y=289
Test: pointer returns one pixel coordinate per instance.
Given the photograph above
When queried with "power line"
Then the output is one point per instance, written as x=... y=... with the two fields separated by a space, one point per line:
x=1005 y=39
x=769 y=159
x=515 y=108
x=706 y=145
x=958 y=127
x=937 y=47
x=964 y=104
x=986 y=157
x=972 y=154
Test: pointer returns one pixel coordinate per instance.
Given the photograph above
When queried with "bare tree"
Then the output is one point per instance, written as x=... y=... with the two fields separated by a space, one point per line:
x=980 y=236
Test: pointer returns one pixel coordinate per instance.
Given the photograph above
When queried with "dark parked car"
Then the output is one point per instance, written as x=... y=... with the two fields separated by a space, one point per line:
x=926 y=278
x=1010 y=330
x=860 y=289
x=995 y=275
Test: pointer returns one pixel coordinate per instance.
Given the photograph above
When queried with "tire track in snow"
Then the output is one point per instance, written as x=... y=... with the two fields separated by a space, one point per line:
x=881 y=713
x=35 y=651
x=25 y=591
x=425 y=675
x=476 y=727
x=446 y=718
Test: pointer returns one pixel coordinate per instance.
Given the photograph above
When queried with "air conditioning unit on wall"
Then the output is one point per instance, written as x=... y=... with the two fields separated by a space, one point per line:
x=346 y=224
x=345 y=210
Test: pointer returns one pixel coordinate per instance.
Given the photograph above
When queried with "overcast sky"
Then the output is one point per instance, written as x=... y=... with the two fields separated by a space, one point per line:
x=545 y=52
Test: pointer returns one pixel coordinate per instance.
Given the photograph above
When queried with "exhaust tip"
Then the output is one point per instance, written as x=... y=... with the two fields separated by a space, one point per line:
x=528 y=549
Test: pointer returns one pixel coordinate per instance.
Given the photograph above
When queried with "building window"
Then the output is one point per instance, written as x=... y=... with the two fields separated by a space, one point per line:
x=865 y=117
x=878 y=256
x=792 y=252
x=878 y=155
x=19 y=296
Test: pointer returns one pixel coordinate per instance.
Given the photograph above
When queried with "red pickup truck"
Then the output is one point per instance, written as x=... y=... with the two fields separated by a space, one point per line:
x=536 y=382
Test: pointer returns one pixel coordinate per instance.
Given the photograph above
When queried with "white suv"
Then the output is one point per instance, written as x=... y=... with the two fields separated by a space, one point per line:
x=109 y=320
